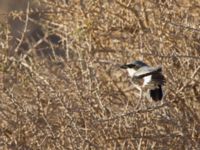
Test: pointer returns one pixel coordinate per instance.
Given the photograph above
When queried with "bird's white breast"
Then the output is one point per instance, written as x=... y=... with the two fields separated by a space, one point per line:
x=131 y=72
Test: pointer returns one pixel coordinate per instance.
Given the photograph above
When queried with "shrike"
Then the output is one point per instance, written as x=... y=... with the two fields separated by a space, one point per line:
x=146 y=78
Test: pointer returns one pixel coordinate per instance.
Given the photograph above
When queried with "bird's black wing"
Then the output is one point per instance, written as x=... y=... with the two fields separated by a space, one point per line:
x=158 y=78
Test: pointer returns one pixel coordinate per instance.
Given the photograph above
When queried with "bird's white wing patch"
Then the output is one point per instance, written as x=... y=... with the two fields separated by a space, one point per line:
x=147 y=80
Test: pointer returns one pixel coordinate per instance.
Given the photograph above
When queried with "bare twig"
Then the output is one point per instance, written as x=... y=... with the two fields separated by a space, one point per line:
x=25 y=29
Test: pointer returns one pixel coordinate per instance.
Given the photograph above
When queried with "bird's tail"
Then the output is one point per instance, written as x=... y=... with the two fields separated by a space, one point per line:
x=156 y=94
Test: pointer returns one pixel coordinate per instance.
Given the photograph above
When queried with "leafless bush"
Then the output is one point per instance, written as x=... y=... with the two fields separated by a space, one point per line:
x=62 y=88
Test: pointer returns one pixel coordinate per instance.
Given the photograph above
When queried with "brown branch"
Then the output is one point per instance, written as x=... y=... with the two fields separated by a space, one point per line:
x=25 y=29
x=140 y=111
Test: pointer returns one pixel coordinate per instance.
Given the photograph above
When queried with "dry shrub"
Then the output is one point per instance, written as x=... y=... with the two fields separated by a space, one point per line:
x=62 y=87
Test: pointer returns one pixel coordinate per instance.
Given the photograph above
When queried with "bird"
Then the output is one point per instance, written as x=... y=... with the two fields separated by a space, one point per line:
x=146 y=78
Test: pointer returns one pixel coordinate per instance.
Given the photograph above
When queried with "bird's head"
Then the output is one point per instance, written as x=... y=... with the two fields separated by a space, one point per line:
x=133 y=67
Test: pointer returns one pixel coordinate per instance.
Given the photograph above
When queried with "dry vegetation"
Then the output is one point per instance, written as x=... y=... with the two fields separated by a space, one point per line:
x=61 y=87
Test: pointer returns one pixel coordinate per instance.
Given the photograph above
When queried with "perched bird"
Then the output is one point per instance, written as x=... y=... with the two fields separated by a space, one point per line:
x=146 y=78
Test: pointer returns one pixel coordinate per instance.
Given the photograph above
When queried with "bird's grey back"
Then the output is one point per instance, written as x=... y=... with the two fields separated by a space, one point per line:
x=145 y=71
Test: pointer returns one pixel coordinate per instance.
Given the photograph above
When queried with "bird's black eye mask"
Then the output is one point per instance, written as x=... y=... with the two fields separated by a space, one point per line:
x=127 y=66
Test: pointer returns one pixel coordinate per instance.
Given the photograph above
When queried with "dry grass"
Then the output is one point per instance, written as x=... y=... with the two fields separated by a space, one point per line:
x=62 y=88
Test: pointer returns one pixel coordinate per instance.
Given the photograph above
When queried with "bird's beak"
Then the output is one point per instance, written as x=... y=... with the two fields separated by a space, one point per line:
x=124 y=66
